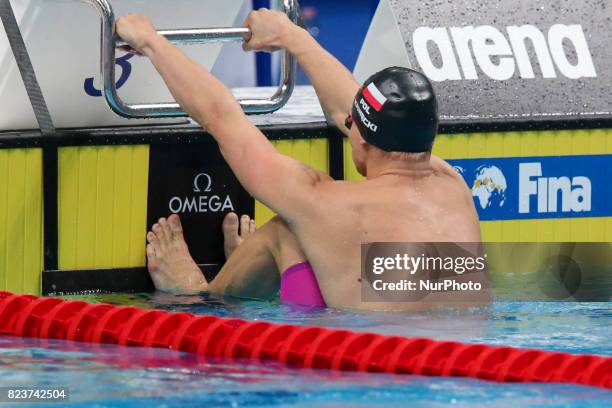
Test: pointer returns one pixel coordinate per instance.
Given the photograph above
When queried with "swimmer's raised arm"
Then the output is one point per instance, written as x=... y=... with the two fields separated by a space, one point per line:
x=278 y=181
x=334 y=84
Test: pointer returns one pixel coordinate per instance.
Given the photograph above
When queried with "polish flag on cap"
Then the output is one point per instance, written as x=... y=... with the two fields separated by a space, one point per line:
x=374 y=97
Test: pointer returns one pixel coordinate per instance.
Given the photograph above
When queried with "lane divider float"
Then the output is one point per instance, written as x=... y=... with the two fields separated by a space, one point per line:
x=298 y=346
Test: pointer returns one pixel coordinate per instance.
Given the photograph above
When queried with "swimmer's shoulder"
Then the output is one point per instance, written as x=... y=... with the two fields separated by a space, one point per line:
x=339 y=192
x=443 y=168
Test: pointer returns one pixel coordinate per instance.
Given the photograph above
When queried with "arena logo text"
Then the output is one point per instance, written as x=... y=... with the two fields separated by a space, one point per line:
x=498 y=56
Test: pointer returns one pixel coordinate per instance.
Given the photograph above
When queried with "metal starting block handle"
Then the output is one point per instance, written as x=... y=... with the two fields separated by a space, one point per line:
x=109 y=43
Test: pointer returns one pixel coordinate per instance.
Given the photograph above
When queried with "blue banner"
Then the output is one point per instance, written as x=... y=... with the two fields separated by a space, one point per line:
x=539 y=187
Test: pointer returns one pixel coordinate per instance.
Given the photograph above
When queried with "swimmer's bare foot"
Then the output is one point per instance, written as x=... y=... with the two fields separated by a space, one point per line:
x=171 y=266
x=235 y=232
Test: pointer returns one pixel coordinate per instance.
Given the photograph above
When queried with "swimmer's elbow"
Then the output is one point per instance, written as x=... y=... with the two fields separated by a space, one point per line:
x=339 y=118
x=216 y=114
x=284 y=184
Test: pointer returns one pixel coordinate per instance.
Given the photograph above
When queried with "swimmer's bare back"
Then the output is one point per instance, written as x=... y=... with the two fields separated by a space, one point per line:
x=432 y=204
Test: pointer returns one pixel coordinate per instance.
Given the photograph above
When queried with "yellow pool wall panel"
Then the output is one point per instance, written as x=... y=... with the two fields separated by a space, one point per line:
x=525 y=144
x=102 y=205
x=21 y=220
x=102 y=199
x=314 y=152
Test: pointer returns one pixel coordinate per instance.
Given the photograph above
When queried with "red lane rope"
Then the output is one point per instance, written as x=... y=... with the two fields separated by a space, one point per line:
x=307 y=347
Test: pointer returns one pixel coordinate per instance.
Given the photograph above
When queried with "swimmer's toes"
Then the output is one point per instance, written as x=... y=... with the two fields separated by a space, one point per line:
x=175 y=226
x=230 y=226
x=151 y=238
x=231 y=239
x=165 y=234
x=152 y=263
x=245 y=226
x=158 y=237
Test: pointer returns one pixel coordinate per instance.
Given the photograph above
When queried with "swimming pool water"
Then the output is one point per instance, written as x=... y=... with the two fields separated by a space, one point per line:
x=107 y=375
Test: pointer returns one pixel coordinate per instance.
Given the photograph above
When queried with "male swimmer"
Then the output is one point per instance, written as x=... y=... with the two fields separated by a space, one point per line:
x=311 y=251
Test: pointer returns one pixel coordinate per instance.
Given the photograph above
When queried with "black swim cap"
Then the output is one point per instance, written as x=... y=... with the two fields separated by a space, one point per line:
x=396 y=111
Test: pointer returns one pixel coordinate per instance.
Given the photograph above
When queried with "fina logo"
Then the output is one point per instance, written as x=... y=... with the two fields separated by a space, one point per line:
x=552 y=194
x=575 y=194
x=499 y=56
x=202 y=183
x=489 y=187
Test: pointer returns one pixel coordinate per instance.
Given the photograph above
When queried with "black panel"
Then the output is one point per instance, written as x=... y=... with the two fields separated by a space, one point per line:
x=336 y=154
x=50 y=207
x=195 y=182
x=105 y=280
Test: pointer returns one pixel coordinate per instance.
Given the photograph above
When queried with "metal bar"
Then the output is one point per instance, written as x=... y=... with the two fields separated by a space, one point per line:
x=193 y=36
x=189 y=36
x=45 y=123
x=28 y=76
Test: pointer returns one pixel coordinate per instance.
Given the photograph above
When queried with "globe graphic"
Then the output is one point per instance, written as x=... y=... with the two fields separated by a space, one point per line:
x=459 y=170
x=489 y=186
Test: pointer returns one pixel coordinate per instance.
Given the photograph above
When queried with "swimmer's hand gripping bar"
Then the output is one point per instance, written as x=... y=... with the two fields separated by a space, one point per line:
x=109 y=42
x=201 y=35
